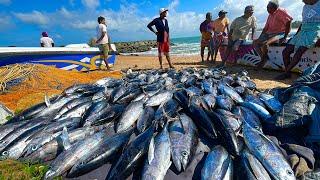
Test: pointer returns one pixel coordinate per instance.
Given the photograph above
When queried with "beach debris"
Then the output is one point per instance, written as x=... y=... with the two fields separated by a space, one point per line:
x=152 y=122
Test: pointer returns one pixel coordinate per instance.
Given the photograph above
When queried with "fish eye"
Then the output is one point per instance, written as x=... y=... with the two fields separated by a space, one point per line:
x=5 y=153
x=289 y=172
x=184 y=153
x=34 y=147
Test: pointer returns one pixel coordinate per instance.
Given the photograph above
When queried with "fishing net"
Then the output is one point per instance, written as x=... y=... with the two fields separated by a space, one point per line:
x=36 y=81
x=14 y=75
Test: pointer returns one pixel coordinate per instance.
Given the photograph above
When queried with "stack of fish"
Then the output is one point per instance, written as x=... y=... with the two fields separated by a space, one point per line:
x=149 y=122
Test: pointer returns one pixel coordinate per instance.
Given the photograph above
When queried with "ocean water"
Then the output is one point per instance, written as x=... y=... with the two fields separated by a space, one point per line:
x=189 y=46
x=186 y=46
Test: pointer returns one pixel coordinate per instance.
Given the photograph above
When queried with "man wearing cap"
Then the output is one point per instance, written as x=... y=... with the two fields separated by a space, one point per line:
x=161 y=24
x=239 y=31
x=206 y=28
x=46 y=41
x=220 y=26
x=276 y=30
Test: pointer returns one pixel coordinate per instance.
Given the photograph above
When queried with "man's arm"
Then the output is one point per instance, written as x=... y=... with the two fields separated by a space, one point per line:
x=228 y=30
x=41 y=44
x=52 y=43
x=286 y=33
x=288 y=29
x=201 y=29
x=253 y=32
x=109 y=42
x=152 y=23
x=101 y=37
x=254 y=26
x=230 y=34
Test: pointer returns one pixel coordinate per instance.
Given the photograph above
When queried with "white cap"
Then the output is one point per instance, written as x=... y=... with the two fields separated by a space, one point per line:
x=162 y=10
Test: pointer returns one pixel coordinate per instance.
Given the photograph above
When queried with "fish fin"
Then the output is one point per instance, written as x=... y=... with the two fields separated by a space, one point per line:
x=266 y=138
x=65 y=139
x=168 y=165
x=47 y=100
x=144 y=92
x=151 y=151
x=184 y=126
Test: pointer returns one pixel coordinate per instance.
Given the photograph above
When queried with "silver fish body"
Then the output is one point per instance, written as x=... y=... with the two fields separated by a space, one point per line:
x=259 y=110
x=252 y=167
x=158 y=161
x=159 y=98
x=76 y=153
x=184 y=140
x=271 y=102
x=268 y=154
x=224 y=89
x=130 y=116
x=108 y=147
x=216 y=164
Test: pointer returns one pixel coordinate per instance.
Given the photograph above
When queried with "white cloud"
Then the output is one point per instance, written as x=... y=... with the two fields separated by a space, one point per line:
x=185 y=23
x=35 y=17
x=127 y=19
x=91 y=4
x=65 y=13
x=5 y=23
x=129 y=22
x=236 y=8
x=172 y=6
x=87 y=25
x=5 y=2
x=57 y=36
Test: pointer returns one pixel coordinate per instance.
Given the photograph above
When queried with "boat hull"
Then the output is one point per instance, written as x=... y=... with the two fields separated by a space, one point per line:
x=76 y=59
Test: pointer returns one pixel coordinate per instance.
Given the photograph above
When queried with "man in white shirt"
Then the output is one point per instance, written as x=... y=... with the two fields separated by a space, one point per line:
x=46 y=41
x=103 y=40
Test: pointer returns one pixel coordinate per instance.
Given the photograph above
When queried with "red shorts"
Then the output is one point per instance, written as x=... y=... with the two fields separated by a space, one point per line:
x=163 y=48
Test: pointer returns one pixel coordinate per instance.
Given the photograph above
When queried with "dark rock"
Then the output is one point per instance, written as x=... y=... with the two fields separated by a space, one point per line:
x=136 y=46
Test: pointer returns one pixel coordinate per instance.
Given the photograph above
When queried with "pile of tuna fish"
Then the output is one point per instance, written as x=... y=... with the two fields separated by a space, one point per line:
x=149 y=122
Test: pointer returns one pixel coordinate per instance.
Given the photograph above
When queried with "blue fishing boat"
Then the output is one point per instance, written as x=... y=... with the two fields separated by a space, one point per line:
x=71 y=57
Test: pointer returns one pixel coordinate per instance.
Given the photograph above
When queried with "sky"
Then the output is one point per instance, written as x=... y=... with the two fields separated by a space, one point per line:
x=75 y=21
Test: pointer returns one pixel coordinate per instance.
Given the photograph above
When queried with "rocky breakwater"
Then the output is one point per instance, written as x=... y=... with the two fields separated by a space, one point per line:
x=135 y=46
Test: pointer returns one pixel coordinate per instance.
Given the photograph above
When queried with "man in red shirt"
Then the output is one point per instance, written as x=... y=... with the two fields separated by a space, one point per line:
x=276 y=30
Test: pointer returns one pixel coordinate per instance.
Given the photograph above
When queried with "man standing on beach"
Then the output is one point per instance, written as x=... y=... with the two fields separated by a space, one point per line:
x=239 y=30
x=206 y=32
x=276 y=30
x=161 y=24
x=220 y=26
x=103 y=40
x=46 y=41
